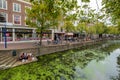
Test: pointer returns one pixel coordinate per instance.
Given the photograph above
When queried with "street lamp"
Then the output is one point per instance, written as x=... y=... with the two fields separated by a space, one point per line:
x=5 y=38
x=3 y=20
x=5 y=30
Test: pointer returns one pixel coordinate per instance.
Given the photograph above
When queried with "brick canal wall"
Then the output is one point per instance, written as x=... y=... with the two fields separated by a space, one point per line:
x=37 y=51
x=62 y=47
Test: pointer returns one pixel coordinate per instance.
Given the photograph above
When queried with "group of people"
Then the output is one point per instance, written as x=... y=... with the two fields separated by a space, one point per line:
x=26 y=56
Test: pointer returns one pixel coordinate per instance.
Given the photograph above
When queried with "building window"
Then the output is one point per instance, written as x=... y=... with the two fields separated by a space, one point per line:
x=3 y=16
x=16 y=7
x=3 y=4
x=17 y=19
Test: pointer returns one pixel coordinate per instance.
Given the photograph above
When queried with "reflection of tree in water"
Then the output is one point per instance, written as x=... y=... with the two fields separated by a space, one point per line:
x=63 y=64
x=117 y=77
x=110 y=49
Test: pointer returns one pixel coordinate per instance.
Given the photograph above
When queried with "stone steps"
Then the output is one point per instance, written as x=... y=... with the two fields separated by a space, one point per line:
x=10 y=62
x=6 y=61
x=4 y=57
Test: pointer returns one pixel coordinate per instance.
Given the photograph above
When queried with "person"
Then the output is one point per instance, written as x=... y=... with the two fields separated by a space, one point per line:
x=21 y=56
x=30 y=56
x=25 y=56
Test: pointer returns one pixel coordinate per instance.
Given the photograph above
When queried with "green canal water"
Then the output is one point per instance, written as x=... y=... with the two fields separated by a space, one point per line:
x=98 y=62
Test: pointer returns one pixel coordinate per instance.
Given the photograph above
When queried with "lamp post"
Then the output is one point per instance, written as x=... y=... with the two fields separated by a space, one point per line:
x=5 y=37
x=3 y=19
x=5 y=31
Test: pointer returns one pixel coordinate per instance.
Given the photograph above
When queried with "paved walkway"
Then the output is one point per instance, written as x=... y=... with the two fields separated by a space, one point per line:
x=18 y=45
x=24 y=44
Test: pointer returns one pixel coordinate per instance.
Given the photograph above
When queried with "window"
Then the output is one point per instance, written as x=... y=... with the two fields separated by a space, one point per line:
x=17 y=19
x=3 y=16
x=16 y=7
x=3 y=4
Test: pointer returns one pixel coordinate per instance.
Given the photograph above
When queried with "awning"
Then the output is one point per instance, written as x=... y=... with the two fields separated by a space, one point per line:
x=69 y=34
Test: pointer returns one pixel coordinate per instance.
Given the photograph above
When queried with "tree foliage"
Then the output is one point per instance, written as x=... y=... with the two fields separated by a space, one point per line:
x=112 y=30
x=112 y=8
x=100 y=27
x=46 y=14
x=69 y=27
x=39 y=15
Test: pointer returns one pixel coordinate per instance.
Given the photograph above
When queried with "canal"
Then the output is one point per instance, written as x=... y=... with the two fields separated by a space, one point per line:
x=98 y=62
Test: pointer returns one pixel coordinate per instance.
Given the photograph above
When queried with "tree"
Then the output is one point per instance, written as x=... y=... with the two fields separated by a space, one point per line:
x=47 y=13
x=92 y=29
x=39 y=16
x=69 y=27
x=99 y=28
x=112 y=8
x=81 y=27
x=68 y=13
x=112 y=30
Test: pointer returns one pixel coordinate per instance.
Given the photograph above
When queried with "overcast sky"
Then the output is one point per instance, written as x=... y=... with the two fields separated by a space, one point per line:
x=93 y=4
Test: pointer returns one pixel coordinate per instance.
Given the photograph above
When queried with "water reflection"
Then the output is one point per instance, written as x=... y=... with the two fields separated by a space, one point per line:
x=101 y=70
x=117 y=77
x=90 y=64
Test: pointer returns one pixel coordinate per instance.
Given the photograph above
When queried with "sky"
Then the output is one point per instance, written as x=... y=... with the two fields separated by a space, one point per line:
x=93 y=4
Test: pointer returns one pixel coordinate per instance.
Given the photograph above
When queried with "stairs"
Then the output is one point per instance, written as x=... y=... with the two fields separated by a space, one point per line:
x=7 y=60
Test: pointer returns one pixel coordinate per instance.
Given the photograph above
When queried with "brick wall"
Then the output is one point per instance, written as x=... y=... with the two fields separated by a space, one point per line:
x=10 y=11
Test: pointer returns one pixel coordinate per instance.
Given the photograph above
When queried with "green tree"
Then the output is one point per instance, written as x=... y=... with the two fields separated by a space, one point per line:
x=112 y=30
x=92 y=29
x=55 y=13
x=81 y=27
x=112 y=8
x=100 y=28
x=41 y=15
x=69 y=27
x=69 y=10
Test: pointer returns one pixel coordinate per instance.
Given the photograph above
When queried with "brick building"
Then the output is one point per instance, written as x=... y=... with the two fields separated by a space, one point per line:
x=13 y=11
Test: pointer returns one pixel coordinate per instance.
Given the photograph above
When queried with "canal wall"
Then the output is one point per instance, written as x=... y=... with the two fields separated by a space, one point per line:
x=37 y=51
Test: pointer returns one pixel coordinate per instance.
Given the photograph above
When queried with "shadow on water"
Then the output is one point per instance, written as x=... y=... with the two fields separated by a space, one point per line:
x=96 y=62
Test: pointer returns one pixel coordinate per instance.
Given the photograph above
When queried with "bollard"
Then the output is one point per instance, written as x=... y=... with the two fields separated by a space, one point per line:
x=14 y=53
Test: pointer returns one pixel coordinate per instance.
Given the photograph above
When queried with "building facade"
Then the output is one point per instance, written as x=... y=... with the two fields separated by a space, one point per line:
x=14 y=14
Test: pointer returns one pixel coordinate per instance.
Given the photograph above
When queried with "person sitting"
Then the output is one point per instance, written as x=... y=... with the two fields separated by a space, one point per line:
x=25 y=56
x=30 y=56
x=21 y=56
